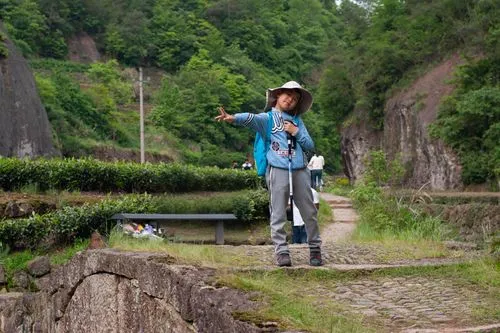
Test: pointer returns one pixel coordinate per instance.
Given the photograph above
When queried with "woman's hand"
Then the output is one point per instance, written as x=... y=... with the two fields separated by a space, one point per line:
x=290 y=128
x=224 y=116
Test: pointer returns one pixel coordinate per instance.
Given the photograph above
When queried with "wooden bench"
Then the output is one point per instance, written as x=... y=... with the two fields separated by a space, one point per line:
x=218 y=218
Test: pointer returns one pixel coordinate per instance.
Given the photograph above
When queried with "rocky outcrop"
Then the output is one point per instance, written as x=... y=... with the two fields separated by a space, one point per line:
x=24 y=126
x=110 y=291
x=82 y=48
x=24 y=208
x=407 y=116
x=357 y=141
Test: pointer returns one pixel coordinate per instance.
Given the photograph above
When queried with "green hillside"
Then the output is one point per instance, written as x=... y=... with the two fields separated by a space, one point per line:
x=353 y=55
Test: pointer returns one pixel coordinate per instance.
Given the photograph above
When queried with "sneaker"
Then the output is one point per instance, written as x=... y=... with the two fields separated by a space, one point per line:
x=315 y=258
x=283 y=259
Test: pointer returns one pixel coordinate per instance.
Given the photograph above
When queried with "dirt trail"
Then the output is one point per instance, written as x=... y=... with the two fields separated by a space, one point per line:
x=344 y=219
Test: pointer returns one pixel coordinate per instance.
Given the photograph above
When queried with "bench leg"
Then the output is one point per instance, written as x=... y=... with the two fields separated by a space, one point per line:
x=219 y=233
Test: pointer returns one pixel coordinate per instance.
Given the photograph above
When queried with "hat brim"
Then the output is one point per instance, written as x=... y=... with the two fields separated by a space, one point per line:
x=303 y=105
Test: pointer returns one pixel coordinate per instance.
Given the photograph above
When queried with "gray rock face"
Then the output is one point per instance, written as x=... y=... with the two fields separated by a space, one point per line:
x=14 y=209
x=110 y=291
x=357 y=141
x=407 y=116
x=24 y=127
x=39 y=266
x=82 y=48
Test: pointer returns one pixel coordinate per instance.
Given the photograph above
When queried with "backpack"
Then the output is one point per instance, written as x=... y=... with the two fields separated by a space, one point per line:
x=261 y=146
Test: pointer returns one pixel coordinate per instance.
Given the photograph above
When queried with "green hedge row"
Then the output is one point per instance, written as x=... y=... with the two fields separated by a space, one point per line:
x=94 y=175
x=69 y=223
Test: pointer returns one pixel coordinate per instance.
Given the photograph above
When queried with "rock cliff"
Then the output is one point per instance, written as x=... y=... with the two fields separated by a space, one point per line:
x=24 y=126
x=407 y=116
x=110 y=291
x=82 y=48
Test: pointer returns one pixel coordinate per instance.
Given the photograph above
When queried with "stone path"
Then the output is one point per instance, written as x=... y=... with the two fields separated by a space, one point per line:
x=414 y=303
x=344 y=218
x=410 y=304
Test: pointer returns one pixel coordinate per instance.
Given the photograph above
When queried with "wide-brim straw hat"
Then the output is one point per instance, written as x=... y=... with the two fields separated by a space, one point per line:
x=304 y=103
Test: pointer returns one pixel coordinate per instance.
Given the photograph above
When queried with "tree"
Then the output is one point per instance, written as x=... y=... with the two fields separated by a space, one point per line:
x=129 y=39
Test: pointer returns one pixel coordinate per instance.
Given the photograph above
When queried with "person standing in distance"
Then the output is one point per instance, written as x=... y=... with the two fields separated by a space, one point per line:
x=246 y=165
x=286 y=103
x=316 y=165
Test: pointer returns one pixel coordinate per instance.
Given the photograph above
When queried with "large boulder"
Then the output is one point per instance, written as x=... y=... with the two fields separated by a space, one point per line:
x=24 y=126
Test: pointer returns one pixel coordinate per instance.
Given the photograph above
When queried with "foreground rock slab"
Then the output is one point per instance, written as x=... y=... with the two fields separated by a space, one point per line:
x=110 y=291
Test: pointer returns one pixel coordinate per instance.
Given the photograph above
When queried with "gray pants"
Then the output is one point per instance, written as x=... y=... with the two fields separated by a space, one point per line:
x=277 y=183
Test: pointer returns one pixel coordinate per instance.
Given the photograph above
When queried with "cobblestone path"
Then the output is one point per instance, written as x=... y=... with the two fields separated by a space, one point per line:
x=412 y=303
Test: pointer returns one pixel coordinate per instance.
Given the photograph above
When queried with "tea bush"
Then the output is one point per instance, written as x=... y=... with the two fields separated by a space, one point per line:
x=93 y=175
x=70 y=223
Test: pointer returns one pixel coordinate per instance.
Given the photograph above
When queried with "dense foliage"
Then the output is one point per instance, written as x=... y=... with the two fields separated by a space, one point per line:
x=94 y=175
x=351 y=55
x=469 y=120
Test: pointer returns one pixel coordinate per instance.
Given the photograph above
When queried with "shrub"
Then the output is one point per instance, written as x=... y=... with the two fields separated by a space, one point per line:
x=469 y=120
x=110 y=85
x=381 y=171
x=4 y=52
x=342 y=181
x=61 y=66
x=383 y=214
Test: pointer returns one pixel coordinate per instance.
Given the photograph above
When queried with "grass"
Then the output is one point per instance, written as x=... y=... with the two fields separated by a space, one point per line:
x=205 y=255
x=19 y=260
x=419 y=237
x=299 y=300
x=337 y=189
x=403 y=245
x=62 y=256
x=16 y=261
x=288 y=304
x=324 y=213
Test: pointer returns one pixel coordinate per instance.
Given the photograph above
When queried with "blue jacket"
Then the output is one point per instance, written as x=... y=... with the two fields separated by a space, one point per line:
x=277 y=156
